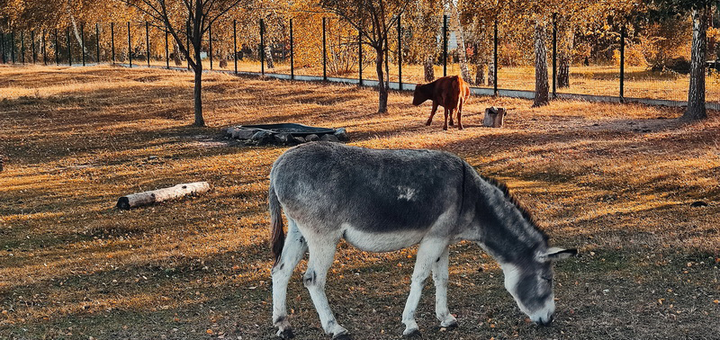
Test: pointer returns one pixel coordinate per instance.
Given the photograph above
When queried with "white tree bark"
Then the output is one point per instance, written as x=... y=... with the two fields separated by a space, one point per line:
x=696 y=93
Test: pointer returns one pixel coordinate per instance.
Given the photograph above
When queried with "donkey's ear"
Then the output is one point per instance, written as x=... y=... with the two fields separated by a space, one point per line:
x=555 y=254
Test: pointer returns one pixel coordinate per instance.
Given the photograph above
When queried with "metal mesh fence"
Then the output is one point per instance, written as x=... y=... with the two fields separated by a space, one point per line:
x=636 y=59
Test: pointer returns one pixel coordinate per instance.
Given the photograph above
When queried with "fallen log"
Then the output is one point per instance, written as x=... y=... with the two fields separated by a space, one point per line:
x=160 y=195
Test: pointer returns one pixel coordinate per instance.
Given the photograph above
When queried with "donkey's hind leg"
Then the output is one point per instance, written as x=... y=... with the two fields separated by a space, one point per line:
x=293 y=250
x=322 y=251
x=440 y=276
x=430 y=251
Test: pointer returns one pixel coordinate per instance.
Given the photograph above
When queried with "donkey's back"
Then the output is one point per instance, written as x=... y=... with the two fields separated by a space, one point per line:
x=331 y=186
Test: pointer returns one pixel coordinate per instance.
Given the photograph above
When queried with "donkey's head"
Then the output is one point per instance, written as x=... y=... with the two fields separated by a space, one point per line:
x=530 y=284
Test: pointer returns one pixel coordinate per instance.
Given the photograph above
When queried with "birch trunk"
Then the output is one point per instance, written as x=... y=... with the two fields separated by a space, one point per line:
x=565 y=57
x=696 y=93
x=429 y=67
x=459 y=35
x=75 y=27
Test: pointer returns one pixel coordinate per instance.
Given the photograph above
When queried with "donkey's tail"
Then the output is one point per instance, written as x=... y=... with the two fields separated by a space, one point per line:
x=276 y=224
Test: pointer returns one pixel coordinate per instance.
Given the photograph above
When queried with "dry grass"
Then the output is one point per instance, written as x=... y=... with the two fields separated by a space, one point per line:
x=614 y=181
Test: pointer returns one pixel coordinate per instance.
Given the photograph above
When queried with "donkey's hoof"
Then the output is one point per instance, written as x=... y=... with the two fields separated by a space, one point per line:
x=414 y=334
x=449 y=327
x=286 y=333
x=344 y=336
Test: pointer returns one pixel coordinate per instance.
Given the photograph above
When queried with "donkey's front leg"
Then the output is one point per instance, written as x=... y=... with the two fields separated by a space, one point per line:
x=440 y=276
x=322 y=252
x=293 y=250
x=430 y=250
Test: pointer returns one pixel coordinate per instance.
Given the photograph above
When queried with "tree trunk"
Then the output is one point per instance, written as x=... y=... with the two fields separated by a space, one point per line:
x=429 y=67
x=269 y=57
x=565 y=48
x=696 y=93
x=480 y=73
x=197 y=92
x=563 y=80
x=75 y=28
x=382 y=89
x=542 y=89
x=460 y=37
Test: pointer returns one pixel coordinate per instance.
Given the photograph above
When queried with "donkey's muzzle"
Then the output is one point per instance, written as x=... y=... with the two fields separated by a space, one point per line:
x=545 y=321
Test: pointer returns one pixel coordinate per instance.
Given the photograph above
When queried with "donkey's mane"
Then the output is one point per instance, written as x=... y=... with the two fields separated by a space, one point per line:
x=525 y=214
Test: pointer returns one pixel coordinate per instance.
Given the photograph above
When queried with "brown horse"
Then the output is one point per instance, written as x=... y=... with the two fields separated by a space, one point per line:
x=448 y=92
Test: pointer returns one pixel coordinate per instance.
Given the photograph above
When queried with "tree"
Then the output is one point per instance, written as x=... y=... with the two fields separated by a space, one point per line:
x=542 y=89
x=373 y=19
x=424 y=20
x=700 y=12
x=187 y=20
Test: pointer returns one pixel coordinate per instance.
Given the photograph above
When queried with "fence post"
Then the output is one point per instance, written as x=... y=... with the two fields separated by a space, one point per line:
x=554 y=60
x=32 y=47
x=129 y=45
x=292 y=52
x=324 y=49
x=445 y=45
x=262 y=47
x=495 y=59
x=68 y=47
x=44 y=48
x=235 y=43
x=97 y=43
x=2 y=46
x=167 y=50
x=82 y=42
x=622 y=64
x=210 y=42
x=22 y=47
x=399 y=58
x=12 y=46
x=57 y=49
x=360 y=60
x=112 y=41
x=147 y=42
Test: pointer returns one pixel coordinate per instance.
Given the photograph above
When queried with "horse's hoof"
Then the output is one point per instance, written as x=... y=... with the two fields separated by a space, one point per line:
x=344 y=336
x=415 y=334
x=287 y=333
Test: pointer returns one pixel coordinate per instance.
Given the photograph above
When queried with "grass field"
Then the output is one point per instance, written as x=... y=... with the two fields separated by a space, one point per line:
x=615 y=181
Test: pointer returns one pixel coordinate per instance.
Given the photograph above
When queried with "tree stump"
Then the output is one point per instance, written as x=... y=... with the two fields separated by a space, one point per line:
x=494 y=117
x=160 y=195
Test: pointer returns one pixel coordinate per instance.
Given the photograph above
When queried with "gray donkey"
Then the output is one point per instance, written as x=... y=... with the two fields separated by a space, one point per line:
x=385 y=200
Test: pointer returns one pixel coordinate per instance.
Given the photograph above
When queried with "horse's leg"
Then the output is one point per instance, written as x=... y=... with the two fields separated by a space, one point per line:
x=450 y=114
x=440 y=276
x=430 y=250
x=292 y=252
x=322 y=251
x=432 y=113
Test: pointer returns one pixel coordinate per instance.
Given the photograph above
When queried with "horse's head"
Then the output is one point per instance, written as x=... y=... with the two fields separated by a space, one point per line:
x=530 y=284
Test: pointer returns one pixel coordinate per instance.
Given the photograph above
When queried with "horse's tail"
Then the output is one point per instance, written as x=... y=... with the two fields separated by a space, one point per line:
x=276 y=224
